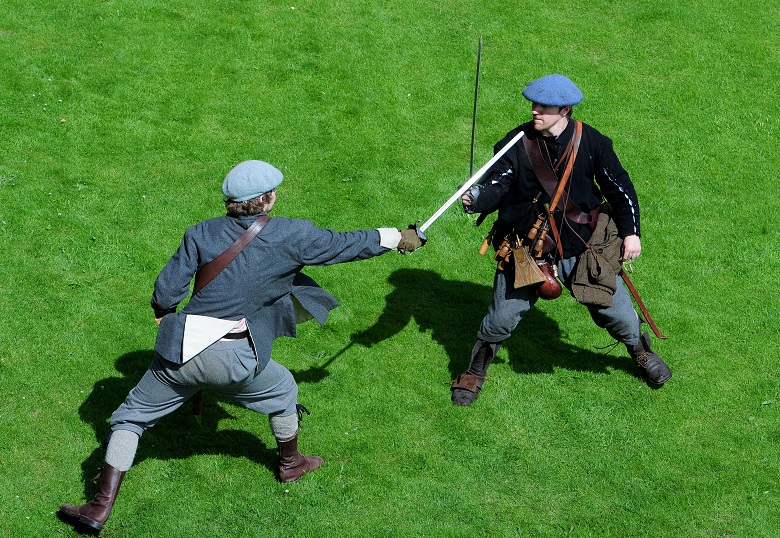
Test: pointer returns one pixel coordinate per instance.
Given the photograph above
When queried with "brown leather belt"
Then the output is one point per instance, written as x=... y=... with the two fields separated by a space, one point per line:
x=577 y=215
x=236 y=336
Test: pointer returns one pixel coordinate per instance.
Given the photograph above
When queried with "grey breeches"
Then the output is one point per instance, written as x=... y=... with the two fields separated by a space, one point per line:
x=509 y=305
x=226 y=367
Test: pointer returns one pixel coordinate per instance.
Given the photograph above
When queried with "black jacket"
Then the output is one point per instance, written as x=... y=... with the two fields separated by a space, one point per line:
x=510 y=186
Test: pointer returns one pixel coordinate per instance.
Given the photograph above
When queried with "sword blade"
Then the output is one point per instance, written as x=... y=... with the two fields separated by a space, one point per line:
x=474 y=116
x=466 y=186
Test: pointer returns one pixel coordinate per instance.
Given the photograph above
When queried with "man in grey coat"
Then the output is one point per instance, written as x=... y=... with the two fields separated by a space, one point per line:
x=222 y=339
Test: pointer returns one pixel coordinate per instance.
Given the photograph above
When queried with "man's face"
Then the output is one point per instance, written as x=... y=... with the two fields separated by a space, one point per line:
x=270 y=200
x=549 y=120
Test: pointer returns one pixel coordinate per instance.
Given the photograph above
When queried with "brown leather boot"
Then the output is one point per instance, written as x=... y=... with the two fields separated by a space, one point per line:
x=467 y=386
x=293 y=464
x=653 y=367
x=94 y=514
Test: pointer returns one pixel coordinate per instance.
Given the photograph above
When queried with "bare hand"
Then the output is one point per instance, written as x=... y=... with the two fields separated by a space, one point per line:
x=632 y=248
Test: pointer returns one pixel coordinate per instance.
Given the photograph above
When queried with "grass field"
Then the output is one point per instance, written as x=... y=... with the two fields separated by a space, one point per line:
x=119 y=122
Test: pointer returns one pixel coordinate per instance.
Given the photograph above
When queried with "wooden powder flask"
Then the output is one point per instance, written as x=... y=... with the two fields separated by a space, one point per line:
x=540 y=235
x=551 y=288
x=504 y=253
x=532 y=233
x=487 y=241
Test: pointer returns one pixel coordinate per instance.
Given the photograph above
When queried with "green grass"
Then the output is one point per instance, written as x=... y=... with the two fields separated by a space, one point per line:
x=367 y=111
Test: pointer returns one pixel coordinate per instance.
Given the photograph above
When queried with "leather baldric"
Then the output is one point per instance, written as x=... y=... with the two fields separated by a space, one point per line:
x=554 y=186
x=205 y=274
x=550 y=182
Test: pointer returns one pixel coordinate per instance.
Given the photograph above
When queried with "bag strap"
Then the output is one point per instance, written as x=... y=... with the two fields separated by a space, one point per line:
x=569 y=166
x=543 y=173
x=551 y=183
x=205 y=274
x=549 y=180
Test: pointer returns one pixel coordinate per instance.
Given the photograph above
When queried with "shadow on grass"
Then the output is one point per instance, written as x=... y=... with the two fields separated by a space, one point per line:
x=450 y=310
x=453 y=310
x=177 y=436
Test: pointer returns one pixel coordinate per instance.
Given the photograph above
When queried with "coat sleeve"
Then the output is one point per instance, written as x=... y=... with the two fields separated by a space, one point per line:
x=320 y=246
x=617 y=188
x=496 y=182
x=173 y=283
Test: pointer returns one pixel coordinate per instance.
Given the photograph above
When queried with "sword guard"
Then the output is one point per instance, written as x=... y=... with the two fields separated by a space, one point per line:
x=420 y=233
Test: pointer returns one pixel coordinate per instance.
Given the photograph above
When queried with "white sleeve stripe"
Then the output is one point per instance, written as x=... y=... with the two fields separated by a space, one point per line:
x=628 y=198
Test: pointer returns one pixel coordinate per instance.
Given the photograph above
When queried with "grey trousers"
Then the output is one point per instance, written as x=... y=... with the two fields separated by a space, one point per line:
x=509 y=305
x=226 y=367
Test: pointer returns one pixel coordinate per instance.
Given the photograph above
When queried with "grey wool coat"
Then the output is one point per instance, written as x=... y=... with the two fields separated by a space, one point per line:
x=259 y=284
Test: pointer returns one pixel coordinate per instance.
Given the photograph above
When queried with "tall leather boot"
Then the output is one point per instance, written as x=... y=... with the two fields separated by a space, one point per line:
x=293 y=464
x=653 y=367
x=467 y=386
x=94 y=514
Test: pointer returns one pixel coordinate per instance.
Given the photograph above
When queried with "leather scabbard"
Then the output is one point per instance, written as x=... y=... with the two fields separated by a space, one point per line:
x=641 y=305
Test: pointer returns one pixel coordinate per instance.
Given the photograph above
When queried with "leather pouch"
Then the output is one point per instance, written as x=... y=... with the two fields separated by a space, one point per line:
x=527 y=271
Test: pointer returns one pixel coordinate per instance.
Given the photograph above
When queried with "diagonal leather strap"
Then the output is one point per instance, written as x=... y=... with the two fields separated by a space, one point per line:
x=206 y=273
x=549 y=180
x=542 y=171
x=562 y=185
x=569 y=166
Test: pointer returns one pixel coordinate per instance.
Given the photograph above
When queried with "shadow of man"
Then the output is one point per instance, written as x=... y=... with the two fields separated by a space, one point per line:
x=181 y=435
x=453 y=310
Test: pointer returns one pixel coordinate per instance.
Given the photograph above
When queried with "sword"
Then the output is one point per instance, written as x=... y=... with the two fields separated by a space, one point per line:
x=474 y=117
x=466 y=186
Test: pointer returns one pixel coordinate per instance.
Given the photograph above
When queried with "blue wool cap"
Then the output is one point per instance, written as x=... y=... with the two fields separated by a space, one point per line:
x=249 y=180
x=553 y=90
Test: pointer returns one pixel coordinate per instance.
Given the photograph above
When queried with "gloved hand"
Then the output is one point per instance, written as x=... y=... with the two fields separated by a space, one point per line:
x=411 y=239
x=469 y=198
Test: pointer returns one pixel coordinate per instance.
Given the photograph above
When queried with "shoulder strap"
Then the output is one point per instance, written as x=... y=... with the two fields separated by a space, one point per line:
x=542 y=172
x=569 y=165
x=551 y=183
x=205 y=274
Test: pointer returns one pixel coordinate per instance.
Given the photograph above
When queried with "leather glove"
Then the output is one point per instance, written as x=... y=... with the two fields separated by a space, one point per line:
x=411 y=239
x=469 y=198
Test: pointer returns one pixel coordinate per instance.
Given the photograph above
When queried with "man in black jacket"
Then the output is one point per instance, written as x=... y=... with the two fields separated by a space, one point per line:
x=514 y=188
